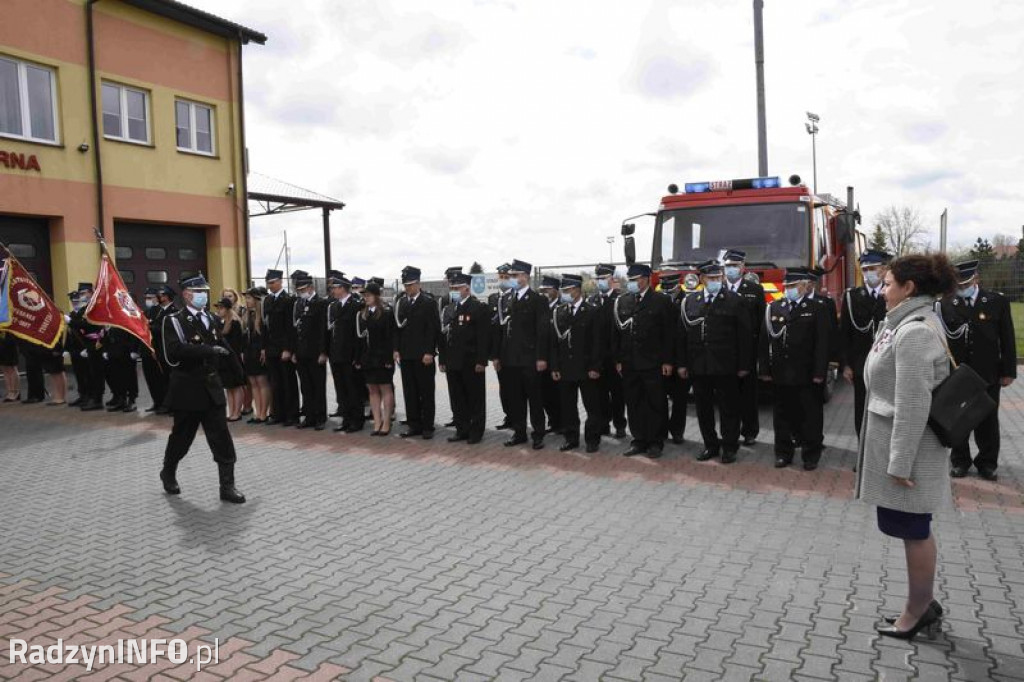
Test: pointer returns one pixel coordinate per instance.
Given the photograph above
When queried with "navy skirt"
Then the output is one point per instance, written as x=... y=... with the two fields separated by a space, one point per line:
x=904 y=525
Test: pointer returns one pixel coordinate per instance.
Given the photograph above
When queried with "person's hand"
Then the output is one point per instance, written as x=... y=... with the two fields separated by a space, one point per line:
x=542 y=365
x=84 y=354
x=221 y=350
x=497 y=365
x=666 y=370
x=322 y=359
x=263 y=357
x=848 y=373
x=286 y=355
x=428 y=359
x=442 y=368
x=106 y=356
x=818 y=380
x=905 y=482
x=1005 y=381
x=742 y=373
x=683 y=373
x=594 y=374
x=134 y=356
x=556 y=376
x=357 y=365
x=618 y=368
x=397 y=356
x=67 y=318
x=480 y=369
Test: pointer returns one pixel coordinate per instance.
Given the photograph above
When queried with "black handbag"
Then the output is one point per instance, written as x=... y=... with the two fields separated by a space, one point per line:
x=959 y=404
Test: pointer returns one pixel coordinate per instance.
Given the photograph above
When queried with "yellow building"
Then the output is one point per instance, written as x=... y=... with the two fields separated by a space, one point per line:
x=125 y=114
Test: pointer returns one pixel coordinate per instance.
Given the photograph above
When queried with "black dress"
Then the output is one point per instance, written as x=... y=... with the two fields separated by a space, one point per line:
x=252 y=348
x=231 y=373
x=8 y=349
x=376 y=357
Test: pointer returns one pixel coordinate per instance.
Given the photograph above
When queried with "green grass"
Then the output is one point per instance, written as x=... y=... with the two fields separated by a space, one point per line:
x=1017 y=310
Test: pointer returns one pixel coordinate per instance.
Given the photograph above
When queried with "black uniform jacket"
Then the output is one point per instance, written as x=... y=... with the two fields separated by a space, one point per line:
x=469 y=334
x=581 y=349
x=795 y=342
x=754 y=301
x=278 y=327
x=987 y=344
x=88 y=333
x=526 y=339
x=419 y=335
x=605 y=303
x=341 y=324
x=310 y=319
x=862 y=315
x=377 y=347
x=717 y=338
x=649 y=342
x=188 y=347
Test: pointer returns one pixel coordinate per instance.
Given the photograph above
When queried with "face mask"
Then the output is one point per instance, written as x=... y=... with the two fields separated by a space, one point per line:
x=793 y=294
x=872 y=278
x=307 y=294
x=603 y=285
x=506 y=284
x=713 y=287
x=968 y=292
x=566 y=297
x=80 y=305
x=455 y=296
x=200 y=299
x=633 y=287
x=732 y=272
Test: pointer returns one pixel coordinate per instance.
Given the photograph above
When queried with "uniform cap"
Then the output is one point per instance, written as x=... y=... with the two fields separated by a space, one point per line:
x=372 y=288
x=461 y=279
x=570 y=281
x=450 y=273
x=150 y=291
x=504 y=268
x=669 y=280
x=874 y=257
x=85 y=286
x=518 y=267
x=710 y=267
x=548 y=282
x=734 y=256
x=966 y=270
x=358 y=282
x=604 y=269
x=410 y=275
x=638 y=270
x=301 y=278
x=274 y=275
x=379 y=281
x=195 y=282
x=794 y=275
x=166 y=290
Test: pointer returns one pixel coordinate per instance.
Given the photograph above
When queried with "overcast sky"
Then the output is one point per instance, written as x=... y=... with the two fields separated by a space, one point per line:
x=495 y=129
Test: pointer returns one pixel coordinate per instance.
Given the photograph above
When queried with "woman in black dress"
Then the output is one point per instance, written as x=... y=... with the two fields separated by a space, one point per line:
x=9 y=366
x=375 y=327
x=231 y=373
x=255 y=356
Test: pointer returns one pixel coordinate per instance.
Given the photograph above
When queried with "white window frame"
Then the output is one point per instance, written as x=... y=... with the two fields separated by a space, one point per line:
x=26 y=116
x=193 y=130
x=123 y=112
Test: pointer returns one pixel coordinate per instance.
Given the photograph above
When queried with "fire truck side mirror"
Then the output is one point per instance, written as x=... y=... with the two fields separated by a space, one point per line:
x=628 y=229
x=630 y=248
x=846 y=227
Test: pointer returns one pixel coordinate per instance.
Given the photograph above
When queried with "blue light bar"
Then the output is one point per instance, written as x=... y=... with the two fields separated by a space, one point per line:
x=697 y=187
x=766 y=183
x=729 y=185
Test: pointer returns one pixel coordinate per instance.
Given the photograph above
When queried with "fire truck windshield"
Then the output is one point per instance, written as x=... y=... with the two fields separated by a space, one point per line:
x=778 y=233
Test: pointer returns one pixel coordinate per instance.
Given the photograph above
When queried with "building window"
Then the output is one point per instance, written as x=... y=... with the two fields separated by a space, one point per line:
x=125 y=113
x=28 y=101
x=155 y=253
x=128 y=276
x=123 y=252
x=22 y=250
x=156 y=277
x=188 y=254
x=194 y=127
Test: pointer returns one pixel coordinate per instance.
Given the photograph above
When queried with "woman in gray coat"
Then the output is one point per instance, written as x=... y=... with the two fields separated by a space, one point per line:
x=903 y=469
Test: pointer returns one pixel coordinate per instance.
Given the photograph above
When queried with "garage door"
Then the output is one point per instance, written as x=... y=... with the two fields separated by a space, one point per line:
x=29 y=241
x=150 y=255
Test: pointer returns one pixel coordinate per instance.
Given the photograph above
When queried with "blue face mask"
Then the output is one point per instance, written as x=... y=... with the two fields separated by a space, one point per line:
x=603 y=285
x=732 y=272
x=150 y=302
x=713 y=287
x=506 y=284
x=968 y=292
x=566 y=297
x=872 y=278
x=455 y=296
x=792 y=294
x=633 y=287
x=200 y=299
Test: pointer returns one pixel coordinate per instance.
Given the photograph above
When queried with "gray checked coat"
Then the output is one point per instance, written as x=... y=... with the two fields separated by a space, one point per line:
x=907 y=361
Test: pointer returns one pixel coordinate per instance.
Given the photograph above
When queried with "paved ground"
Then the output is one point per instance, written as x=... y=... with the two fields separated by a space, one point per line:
x=360 y=559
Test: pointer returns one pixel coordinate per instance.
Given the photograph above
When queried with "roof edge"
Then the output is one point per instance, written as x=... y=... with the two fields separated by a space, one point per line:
x=197 y=18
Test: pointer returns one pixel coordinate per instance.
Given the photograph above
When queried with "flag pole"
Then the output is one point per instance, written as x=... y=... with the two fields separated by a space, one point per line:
x=104 y=251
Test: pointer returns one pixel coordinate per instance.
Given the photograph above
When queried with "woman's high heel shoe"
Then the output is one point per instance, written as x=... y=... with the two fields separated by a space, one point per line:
x=929 y=622
x=934 y=605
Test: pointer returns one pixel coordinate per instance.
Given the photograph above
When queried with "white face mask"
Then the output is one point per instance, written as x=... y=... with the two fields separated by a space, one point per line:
x=968 y=292
x=566 y=297
x=872 y=278
x=633 y=287
x=732 y=272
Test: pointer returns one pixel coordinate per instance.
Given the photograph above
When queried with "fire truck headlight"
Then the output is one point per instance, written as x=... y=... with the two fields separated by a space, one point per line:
x=691 y=281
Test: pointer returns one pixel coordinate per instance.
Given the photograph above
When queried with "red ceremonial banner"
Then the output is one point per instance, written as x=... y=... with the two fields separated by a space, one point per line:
x=112 y=305
x=34 y=317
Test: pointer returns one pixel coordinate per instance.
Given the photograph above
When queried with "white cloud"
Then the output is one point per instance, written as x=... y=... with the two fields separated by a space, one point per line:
x=478 y=130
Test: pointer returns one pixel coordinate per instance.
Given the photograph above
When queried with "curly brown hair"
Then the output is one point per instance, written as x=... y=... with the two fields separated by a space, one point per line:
x=932 y=274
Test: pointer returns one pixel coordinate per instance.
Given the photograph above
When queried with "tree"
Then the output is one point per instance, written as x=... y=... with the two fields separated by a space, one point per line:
x=983 y=251
x=878 y=240
x=902 y=228
x=476 y=268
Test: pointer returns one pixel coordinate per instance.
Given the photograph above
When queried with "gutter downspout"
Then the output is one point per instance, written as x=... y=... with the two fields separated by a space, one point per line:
x=97 y=162
x=247 y=274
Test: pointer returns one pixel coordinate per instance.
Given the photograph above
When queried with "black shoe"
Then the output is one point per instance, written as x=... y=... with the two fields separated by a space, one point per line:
x=592 y=447
x=958 y=472
x=677 y=438
x=91 y=406
x=707 y=454
x=354 y=428
x=502 y=426
x=988 y=474
x=457 y=438
x=567 y=446
x=810 y=466
x=749 y=441
x=272 y=421
x=728 y=457
x=934 y=605
x=427 y=435
x=151 y=408
x=620 y=433
x=514 y=441
x=473 y=441
x=232 y=495
x=450 y=424
x=654 y=453
x=410 y=434
x=538 y=444
x=634 y=451
x=116 y=407
x=111 y=402
x=170 y=483
x=930 y=622
x=781 y=462
x=161 y=410
x=129 y=407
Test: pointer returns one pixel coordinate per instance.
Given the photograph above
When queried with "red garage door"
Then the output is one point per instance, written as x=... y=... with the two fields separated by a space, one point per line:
x=150 y=255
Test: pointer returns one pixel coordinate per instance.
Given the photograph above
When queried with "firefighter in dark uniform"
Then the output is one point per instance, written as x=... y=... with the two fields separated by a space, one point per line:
x=165 y=300
x=192 y=346
x=612 y=396
x=309 y=313
x=278 y=331
x=76 y=344
x=752 y=293
x=151 y=370
x=447 y=309
x=92 y=336
x=794 y=356
x=120 y=351
x=552 y=396
x=834 y=339
x=980 y=330
x=715 y=348
x=525 y=349
x=499 y=303
x=464 y=350
x=344 y=351
x=645 y=347
x=418 y=323
x=576 y=362
x=677 y=389
x=863 y=311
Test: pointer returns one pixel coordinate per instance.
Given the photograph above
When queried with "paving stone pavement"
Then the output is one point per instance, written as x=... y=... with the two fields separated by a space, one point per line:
x=361 y=558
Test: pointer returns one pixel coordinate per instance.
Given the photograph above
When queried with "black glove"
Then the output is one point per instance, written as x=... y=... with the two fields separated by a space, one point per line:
x=221 y=350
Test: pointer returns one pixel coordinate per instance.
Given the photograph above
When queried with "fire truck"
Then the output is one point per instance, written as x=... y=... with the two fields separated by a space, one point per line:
x=777 y=226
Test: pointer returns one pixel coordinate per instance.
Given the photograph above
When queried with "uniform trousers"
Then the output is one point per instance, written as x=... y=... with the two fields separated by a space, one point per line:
x=859 y=394
x=750 y=419
x=34 y=375
x=552 y=401
x=418 y=392
x=799 y=411
x=80 y=367
x=590 y=391
x=613 y=397
x=986 y=437
x=284 y=390
x=467 y=389
x=677 y=391
x=218 y=437
x=97 y=375
x=503 y=385
x=721 y=393
x=156 y=379
x=122 y=377
x=524 y=390
x=350 y=400
x=313 y=383
x=646 y=405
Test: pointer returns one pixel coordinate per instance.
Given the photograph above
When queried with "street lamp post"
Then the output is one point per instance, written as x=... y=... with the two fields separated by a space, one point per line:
x=611 y=240
x=812 y=130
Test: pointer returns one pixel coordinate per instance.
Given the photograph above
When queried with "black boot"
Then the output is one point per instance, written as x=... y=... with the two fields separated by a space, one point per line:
x=169 y=480
x=228 y=492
